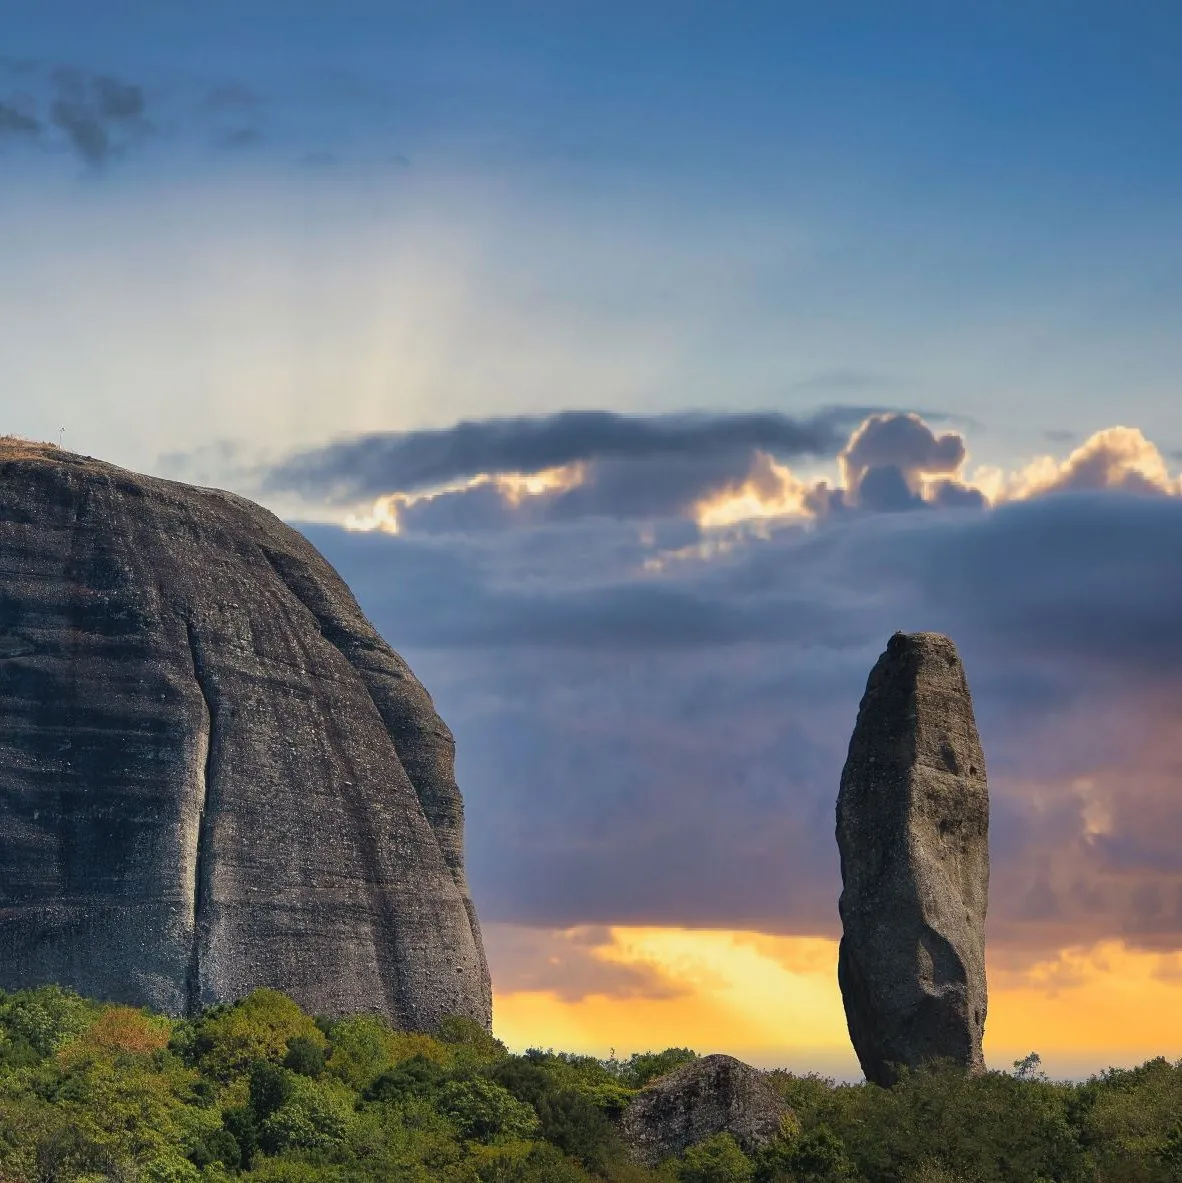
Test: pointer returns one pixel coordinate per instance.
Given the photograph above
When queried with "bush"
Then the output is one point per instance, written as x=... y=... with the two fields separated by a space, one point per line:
x=483 y=1111
x=228 y=1040
x=45 y=1019
x=314 y=1115
x=717 y=1160
x=305 y=1056
x=643 y=1067
x=416 y=1077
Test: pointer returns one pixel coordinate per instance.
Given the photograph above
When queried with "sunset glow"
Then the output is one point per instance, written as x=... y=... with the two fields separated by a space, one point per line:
x=774 y=1000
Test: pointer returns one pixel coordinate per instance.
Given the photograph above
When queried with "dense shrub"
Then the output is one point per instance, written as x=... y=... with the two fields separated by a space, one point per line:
x=260 y=1092
x=716 y=1160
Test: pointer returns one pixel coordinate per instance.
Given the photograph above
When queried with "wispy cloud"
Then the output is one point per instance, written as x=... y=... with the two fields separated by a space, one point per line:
x=97 y=116
x=98 y=113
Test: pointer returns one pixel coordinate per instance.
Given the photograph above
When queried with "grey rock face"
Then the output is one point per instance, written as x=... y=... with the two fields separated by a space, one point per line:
x=214 y=774
x=913 y=833
x=713 y=1095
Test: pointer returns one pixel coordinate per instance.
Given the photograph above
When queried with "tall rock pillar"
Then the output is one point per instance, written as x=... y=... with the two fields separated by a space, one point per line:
x=913 y=834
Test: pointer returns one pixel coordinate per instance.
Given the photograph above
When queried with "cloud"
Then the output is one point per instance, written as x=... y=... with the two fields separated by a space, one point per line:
x=98 y=113
x=651 y=720
x=571 y=964
x=652 y=654
x=15 y=121
x=232 y=98
x=240 y=137
x=903 y=443
x=406 y=462
x=715 y=472
x=1116 y=458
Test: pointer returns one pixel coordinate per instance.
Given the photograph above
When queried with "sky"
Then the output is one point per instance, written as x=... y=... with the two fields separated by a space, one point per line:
x=643 y=368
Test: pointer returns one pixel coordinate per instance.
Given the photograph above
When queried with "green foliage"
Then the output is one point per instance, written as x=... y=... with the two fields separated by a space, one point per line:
x=471 y=1045
x=716 y=1160
x=638 y=1070
x=416 y=1077
x=227 y=1040
x=1029 y=1067
x=304 y=1055
x=363 y=1046
x=313 y=1115
x=42 y=1020
x=818 y=1156
x=260 y=1092
x=483 y=1111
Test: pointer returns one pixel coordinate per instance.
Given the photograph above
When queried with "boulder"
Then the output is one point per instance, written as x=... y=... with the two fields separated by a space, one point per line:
x=214 y=774
x=708 y=1096
x=913 y=834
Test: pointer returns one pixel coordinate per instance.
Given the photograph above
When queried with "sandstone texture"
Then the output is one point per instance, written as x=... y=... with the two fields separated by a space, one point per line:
x=712 y=1095
x=214 y=774
x=913 y=834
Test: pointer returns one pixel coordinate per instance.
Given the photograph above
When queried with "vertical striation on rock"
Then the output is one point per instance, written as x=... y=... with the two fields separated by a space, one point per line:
x=913 y=835
x=214 y=774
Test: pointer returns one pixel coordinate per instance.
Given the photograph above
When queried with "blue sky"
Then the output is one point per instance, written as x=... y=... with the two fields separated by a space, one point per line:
x=363 y=260
x=968 y=208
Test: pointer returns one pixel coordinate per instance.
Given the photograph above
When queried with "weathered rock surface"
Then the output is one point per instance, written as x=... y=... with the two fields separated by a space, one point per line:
x=214 y=774
x=913 y=833
x=712 y=1095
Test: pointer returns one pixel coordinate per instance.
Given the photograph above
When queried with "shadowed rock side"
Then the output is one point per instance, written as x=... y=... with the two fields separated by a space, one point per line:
x=913 y=834
x=712 y=1095
x=214 y=774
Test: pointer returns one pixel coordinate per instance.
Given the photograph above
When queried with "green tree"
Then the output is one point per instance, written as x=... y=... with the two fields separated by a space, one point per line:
x=1029 y=1067
x=229 y=1039
x=484 y=1111
x=314 y=1115
x=642 y=1067
x=818 y=1156
x=416 y=1077
x=304 y=1055
x=46 y=1018
x=716 y=1160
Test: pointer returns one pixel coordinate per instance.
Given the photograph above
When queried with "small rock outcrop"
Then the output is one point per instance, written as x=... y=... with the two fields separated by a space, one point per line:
x=712 y=1095
x=913 y=834
x=214 y=774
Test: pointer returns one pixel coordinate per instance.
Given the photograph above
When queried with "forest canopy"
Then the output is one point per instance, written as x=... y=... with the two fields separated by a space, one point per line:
x=261 y=1091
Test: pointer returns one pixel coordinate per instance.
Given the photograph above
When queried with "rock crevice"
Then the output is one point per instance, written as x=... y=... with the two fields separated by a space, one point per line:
x=203 y=737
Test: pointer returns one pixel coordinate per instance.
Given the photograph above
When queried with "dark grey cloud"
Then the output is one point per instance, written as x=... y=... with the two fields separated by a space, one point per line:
x=621 y=487
x=662 y=745
x=98 y=114
x=238 y=138
x=17 y=121
x=319 y=159
x=232 y=98
x=373 y=465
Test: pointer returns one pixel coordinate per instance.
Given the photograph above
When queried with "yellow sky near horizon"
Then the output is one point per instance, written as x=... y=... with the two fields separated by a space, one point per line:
x=774 y=1001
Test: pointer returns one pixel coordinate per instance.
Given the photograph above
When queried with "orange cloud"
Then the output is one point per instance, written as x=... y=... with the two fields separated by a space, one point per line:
x=515 y=489
x=770 y=490
x=1114 y=458
x=774 y=1001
